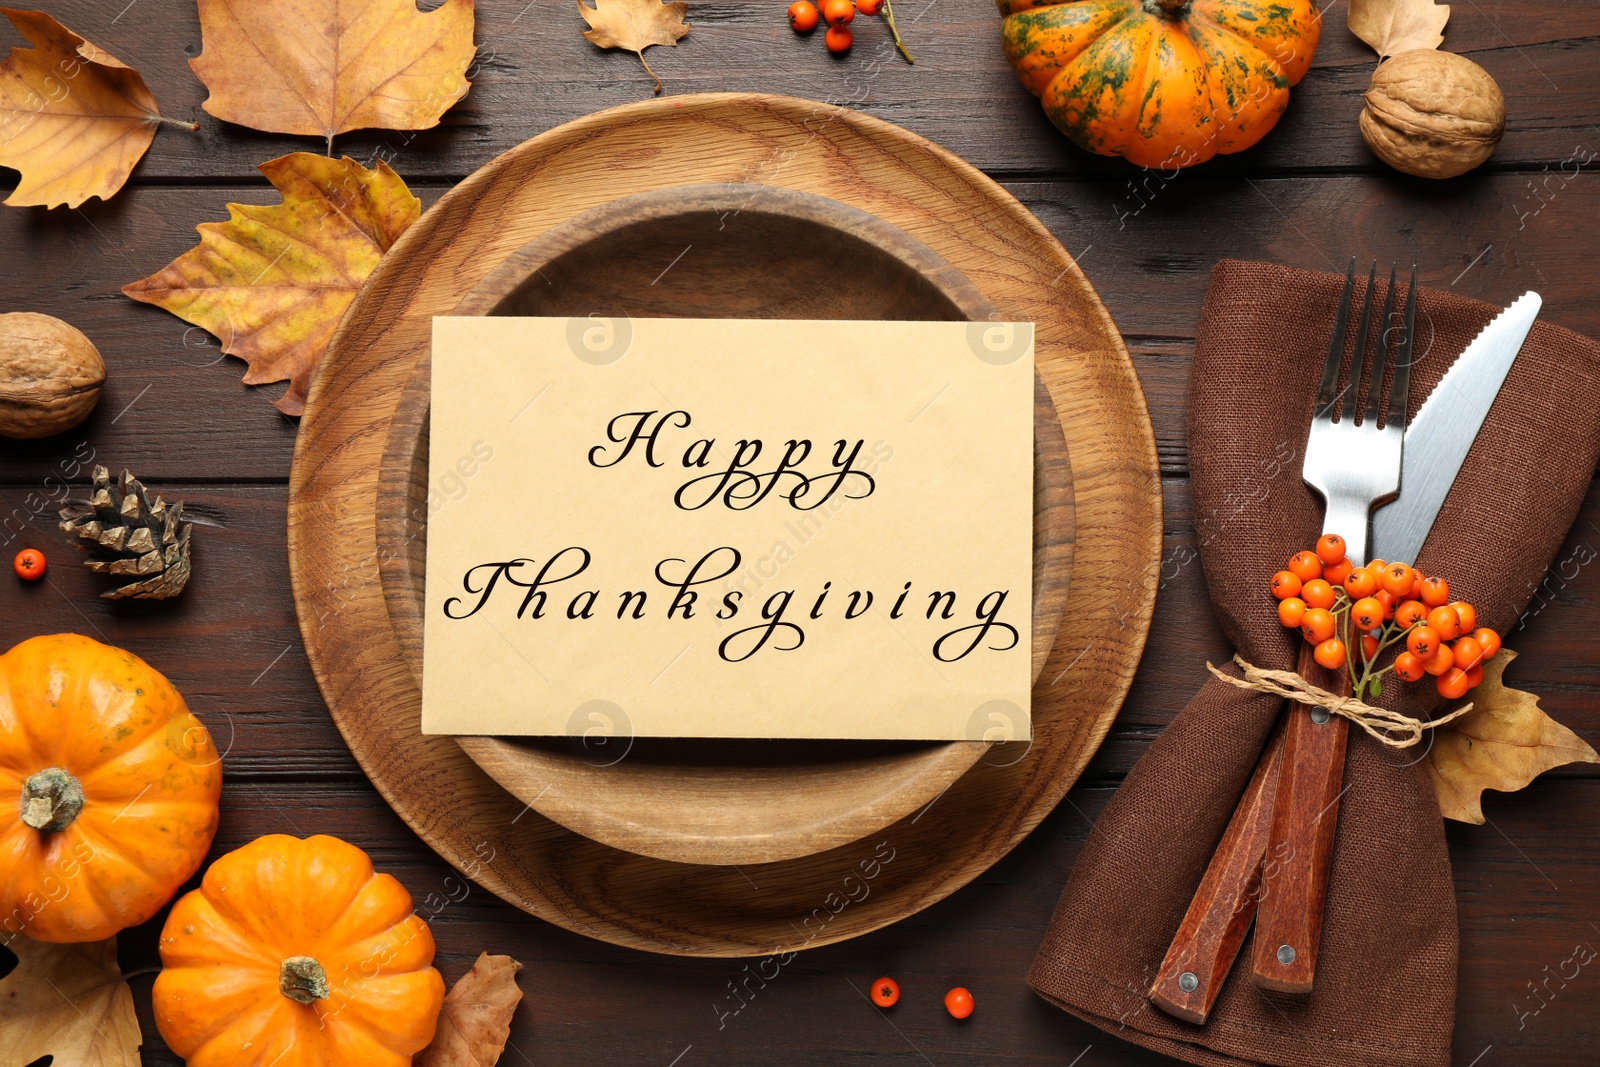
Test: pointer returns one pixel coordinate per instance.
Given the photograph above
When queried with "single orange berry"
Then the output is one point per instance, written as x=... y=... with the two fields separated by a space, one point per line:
x=1337 y=573
x=1330 y=653
x=1453 y=683
x=1367 y=612
x=1363 y=581
x=1475 y=677
x=1317 y=625
x=803 y=16
x=1369 y=647
x=1435 y=592
x=1317 y=593
x=838 y=39
x=1291 y=610
x=1410 y=613
x=838 y=12
x=958 y=1002
x=1468 y=652
x=886 y=992
x=869 y=7
x=1408 y=667
x=1376 y=566
x=1446 y=622
x=1387 y=599
x=1443 y=660
x=29 y=564
x=1305 y=565
x=1417 y=578
x=1423 y=641
x=1489 y=640
x=1330 y=548
x=1467 y=614
x=1397 y=579
x=1285 y=584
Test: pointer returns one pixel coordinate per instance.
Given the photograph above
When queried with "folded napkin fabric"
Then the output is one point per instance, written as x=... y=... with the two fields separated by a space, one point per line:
x=1386 y=971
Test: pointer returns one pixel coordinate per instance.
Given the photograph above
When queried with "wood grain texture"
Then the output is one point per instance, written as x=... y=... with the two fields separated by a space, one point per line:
x=717 y=801
x=1305 y=819
x=1208 y=939
x=949 y=206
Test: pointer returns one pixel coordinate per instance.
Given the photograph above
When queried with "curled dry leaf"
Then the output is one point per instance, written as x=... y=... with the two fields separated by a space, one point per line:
x=635 y=25
x=1395 y=26
x=1504 y=743
x=69 y=1002
x=73 y=118
x=326 y=66
x=476 y=1020
x=272 y=282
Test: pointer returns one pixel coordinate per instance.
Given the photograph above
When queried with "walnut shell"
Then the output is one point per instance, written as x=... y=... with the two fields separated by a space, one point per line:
x=50 y=375
x=1433 y=114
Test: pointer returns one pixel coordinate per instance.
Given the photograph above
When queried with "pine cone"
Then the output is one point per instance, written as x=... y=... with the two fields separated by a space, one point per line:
x=127 y=533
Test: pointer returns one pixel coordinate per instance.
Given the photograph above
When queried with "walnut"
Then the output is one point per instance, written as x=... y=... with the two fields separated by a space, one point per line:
x=1433 y=114
x=50 y=375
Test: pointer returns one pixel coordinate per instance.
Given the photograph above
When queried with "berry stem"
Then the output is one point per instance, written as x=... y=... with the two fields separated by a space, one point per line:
x=888 y=16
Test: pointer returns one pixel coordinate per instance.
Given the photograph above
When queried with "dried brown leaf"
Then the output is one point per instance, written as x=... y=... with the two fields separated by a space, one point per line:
x=635 y=25
x=476 y=1020
x=1504 y=742
x=69 y=1002
x=1395 y=26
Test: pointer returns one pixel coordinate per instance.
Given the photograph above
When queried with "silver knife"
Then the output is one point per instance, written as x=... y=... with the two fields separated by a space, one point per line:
x=1440 y=436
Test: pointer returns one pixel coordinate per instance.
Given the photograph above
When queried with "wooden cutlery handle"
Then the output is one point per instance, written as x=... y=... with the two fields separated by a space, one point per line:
x=1294 y=870
x=1208 y=939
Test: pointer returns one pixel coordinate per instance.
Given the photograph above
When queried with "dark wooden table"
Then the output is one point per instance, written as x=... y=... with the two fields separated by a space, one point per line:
x=174 y=412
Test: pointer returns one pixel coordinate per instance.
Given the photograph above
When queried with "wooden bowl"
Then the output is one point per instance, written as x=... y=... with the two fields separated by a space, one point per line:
x=728 y=251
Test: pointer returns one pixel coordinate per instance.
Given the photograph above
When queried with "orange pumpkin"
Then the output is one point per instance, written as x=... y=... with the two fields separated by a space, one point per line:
x=296 y=954
x=1165 y=83
x=108 y=790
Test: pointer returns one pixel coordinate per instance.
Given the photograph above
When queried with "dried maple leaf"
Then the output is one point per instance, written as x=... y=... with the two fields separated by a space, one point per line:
x=1395 y=26
x=476 y=1020
x=69 y=1002
x=73 y=118
x=1503 y=743
x=326 y=66
x=635 y=25
x=272 y=282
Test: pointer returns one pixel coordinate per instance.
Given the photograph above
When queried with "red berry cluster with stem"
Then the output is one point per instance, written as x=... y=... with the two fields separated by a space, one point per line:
x=1335 y=604
x=805 y=15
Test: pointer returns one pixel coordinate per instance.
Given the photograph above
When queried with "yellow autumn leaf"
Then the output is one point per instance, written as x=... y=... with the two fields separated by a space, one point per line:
x=1395 y=26
x=73 y=118
x=635 y=25
x=476 y=1020
x=326 y=66
x=1504 y=742
x=68 y=1002
x=272 y=282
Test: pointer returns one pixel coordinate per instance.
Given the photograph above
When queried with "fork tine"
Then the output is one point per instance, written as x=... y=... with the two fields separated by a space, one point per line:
x=1400 y=392
x=1358 y=353
x=1326 y=397
x=1380 y=354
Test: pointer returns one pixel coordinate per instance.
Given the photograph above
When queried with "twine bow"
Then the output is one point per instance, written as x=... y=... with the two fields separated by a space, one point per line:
x=1392 y=728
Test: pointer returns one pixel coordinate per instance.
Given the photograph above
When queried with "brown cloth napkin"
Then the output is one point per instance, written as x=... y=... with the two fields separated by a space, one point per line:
x=1386 y=973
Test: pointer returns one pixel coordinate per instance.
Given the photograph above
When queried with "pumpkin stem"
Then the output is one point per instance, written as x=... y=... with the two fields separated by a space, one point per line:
x=302 y=979
x=51 y=799
x=1171 y=9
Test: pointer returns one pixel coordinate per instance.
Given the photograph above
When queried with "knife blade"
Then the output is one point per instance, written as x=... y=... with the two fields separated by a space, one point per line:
x=1440 y=436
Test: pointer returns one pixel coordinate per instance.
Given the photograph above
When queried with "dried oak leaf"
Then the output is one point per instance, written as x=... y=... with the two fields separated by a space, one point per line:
x=476 y=1020
x=1503 y=743
x=1395 y=26
x=635 y=25
x=73 y=118
x=69 y=1002
x=273 y=281
x=326 y=66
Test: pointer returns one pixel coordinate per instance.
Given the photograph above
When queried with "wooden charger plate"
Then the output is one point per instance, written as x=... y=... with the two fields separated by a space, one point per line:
x=712 y=910
x=745 y=251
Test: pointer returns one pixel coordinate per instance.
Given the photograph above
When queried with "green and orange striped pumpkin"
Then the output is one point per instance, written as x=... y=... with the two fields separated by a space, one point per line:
x=1163 y=83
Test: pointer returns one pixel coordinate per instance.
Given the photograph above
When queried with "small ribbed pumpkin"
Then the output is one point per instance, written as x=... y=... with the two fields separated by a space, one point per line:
x=1164 y=83
x=295 y=953
x=108 y=790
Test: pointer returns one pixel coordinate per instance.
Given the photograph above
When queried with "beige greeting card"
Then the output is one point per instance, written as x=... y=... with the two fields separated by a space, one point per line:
x=729 y=528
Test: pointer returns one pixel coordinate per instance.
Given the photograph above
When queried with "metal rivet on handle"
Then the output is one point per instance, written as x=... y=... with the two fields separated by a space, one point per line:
x=1319 y=715
x=1188 y=982
x=1286 y=954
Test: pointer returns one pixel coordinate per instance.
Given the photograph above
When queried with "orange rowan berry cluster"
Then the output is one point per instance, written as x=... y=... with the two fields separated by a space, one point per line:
x=804 y=15
x=1332 y=601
